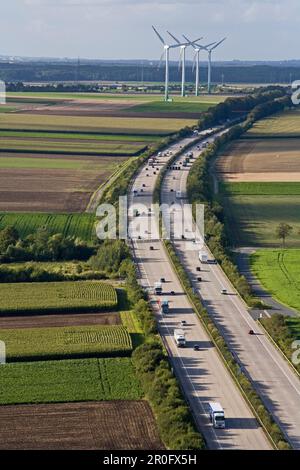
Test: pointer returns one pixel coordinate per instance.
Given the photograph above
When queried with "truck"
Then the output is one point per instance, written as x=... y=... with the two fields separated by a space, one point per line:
x=203 y=257
x=216 y=415
x=158 y=288
x=164 y=306
x=179 y=337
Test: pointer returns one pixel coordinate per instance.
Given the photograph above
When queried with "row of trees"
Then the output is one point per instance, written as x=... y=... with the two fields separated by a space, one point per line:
x=41 y=246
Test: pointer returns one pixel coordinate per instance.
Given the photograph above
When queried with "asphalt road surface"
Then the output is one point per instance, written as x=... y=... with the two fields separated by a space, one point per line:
x=202 y=373
x=274 y=380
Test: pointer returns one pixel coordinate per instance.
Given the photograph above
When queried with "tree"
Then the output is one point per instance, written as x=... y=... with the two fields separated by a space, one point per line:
x=283 y=231
x=8 y=236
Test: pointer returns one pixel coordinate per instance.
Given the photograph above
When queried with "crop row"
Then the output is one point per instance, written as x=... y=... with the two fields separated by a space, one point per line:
x=69 y=381
x=56 y=296
x=29 y=344
x=77 y=225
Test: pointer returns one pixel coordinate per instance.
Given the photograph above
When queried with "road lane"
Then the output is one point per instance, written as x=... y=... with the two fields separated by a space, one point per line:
x=202 y=374
x=274 y=380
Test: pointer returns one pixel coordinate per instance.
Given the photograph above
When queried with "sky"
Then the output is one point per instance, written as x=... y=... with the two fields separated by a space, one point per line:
x=121 y=29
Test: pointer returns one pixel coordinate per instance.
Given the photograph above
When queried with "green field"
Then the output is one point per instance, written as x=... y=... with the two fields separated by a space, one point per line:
x=261 y=189
x=29 y=344
x=279 y=272
x=35 y=297
x=252 y=218
x=78 y=225
x=69 y=381
x=80 y=136
x=285 y=124
x=116 y=125
x=172 y=107
x=70 y=147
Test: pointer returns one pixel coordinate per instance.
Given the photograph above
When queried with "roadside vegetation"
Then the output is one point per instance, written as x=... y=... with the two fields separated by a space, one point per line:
x=285 y=331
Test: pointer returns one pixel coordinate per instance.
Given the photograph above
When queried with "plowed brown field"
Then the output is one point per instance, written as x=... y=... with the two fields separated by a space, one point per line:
x=87 y=426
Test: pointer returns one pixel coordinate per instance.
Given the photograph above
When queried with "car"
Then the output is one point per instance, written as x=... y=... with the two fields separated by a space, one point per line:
x=199 y=279
x=251 y=332
x=183 y=323
x=142 y=190
x=154 y=172
x=224 y=291
x=147 y=169
x=144 y=185
x=196 y=347
x=172 y=292
x=172 y=190
x=157 y=169
x=198 y=268
x=151 y=248
x=162 y=279
x=147 y=174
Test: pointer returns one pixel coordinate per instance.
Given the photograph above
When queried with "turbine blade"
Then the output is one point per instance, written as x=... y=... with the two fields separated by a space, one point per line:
x=218 y=43
x=159 y=36
x=173 y=37
x=160 y=60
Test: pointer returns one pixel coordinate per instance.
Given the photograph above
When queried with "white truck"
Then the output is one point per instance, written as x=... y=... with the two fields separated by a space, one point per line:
x=158 y=288
x=179 y=337
x=203 y=257
x=216 y=415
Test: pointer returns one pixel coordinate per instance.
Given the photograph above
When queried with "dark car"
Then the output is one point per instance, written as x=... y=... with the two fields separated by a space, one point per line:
x=198 y=269
x=172 y=292
x=251 y=332
x=196 y=347
x=151 y=248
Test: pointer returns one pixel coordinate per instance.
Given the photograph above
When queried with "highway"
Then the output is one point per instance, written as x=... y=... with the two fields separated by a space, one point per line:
x=274 y=380
x=202 y=374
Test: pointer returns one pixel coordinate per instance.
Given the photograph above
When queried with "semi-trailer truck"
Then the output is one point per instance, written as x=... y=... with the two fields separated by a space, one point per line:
x=216 y=415
x=179 y=337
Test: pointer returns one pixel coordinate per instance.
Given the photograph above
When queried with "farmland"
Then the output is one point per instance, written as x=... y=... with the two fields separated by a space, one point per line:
x=78 y=225
x=262 y=160
x=61 y=296
x=286 y=124
x=279 y=272
x=69 y=381
x=65 y=342
x=80 y=426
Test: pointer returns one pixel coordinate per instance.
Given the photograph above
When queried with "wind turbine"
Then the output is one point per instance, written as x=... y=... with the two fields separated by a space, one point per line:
x=197 y=48
x=209 y=50
x=166 y=53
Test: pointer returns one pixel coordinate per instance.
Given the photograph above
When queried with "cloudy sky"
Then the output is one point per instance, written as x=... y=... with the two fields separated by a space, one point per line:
x=112 y=29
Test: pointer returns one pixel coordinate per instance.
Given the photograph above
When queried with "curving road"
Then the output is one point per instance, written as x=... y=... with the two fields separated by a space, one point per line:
x=274 y=380
x=202 y=374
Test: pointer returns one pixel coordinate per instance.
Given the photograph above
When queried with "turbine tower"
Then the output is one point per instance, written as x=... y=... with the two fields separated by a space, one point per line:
x=197 y=48
x=166 y=53
x=183 y=47
x=210 y=50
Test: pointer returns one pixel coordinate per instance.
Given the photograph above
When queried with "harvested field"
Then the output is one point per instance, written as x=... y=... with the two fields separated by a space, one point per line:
x=47 y=321
x=285 y=124
x=118 y=125
x=122 y=425
x=260 y=160
x=52 y=183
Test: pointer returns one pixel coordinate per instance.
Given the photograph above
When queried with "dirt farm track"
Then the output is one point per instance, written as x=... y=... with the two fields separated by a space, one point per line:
x=85 y=426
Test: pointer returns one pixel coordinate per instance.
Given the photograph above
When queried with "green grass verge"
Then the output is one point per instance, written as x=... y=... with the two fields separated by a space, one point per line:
x=77 y=225
x=77 y=136
x=279 y=273
x=69 y=381
x=56 y=296
x=29 y=344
